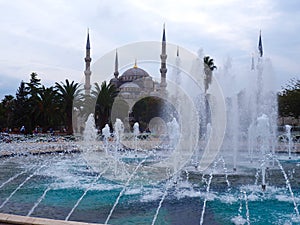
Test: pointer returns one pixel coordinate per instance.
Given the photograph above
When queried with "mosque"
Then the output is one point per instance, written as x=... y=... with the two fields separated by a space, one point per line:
x=135 y=83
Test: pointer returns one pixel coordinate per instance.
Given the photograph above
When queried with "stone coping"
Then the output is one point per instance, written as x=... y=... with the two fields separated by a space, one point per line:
x=7 y=219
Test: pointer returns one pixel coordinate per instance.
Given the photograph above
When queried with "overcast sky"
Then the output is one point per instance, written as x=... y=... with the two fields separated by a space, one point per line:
x=49 y=36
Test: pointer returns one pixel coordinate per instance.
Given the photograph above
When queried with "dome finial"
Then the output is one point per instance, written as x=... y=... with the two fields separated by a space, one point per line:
x=135 y=64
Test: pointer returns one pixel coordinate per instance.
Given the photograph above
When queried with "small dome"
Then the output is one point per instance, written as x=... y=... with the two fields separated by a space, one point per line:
x=114 y=81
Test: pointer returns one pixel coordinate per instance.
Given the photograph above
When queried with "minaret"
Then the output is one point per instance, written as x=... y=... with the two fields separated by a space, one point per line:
x=177 y=63
x=252 y=62
x=163 y=57
x=260 y=47
x=87 y=72
x=259 y=84
x=116 y=73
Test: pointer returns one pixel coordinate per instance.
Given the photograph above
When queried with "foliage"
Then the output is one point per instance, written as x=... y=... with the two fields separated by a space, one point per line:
x=289 y=99
x=69 y=93
x=209 y=67
x=48 y=103
x=8 y=109
x=105 y=96
x=21 y=111
x=33 y=88
x=38 y=106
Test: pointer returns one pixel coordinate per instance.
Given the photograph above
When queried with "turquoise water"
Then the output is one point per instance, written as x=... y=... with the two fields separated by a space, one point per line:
x=68 y=177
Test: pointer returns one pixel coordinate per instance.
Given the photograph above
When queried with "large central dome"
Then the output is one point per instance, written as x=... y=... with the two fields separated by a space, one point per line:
x=133 y=74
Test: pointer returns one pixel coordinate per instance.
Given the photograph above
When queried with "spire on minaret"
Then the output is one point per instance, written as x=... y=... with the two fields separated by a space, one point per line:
x=163 y=57
x=87 y=71
x=177 y=63
x=164 y=34
x=116 y=73
x=260 y=47
x=88 y=41
x=252 y=62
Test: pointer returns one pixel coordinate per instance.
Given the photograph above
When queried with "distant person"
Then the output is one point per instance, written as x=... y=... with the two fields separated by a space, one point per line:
x=36 y=130
x=51 y=131
x=22 y=130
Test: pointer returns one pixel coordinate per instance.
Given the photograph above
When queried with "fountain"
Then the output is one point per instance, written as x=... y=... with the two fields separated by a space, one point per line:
x=94 y=198
x=136 y=133
x=115 y=180
x=173 y=131
x=106 y=135
x=289 y=138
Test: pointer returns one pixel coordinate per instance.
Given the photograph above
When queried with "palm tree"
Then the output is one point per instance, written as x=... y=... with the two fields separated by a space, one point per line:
x=105 y=96
x=48 y=105
x=69 y=92
x=209 y=67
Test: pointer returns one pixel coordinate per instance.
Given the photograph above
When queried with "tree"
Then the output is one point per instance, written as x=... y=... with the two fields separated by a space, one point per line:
x=2 y=117
x=34 y=85
x=22 y=110
x=289 y=100
x=209 y=67
x=105 y=96
x=33 y=88
x=49 y=114
x=8 y=104
x=69 y=92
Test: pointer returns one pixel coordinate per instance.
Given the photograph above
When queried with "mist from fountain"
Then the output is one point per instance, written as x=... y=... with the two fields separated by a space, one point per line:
x=251 y=124
x=106 y=135
x=136 y=129
x=118 y=137
x=89 y=143
x=289 y=138
x=118 y=133
x=173 y=132
x=90 y=131
x=248 y=103
x=136 y=133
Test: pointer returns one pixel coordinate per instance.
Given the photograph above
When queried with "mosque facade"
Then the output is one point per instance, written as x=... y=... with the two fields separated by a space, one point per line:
x=135 y=83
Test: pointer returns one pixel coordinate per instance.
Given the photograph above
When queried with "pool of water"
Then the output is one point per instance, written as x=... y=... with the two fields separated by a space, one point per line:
x=50 y=186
